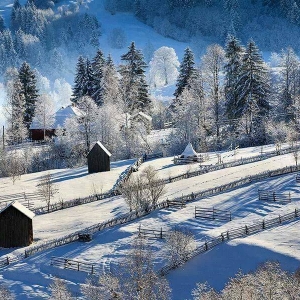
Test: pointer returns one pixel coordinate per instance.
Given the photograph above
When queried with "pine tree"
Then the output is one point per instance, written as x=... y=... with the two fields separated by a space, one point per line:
x=89 y=79
x=2 y=25
x=97 y=68
x=233 y=53
x=80 y=79
x=133 y=82
x=253 y=91
x=14 y=17
x=29 y=91
x=187 y=71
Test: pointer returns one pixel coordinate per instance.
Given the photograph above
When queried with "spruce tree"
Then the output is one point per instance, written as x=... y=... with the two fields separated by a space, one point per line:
x=187 y=71
x=29 y=91
x=2 y=25
x=14 y=17
x=133 y=82
x=98 y=63
x=79 y=89
x=253 y=91
x=233 y=53
x=89 y=79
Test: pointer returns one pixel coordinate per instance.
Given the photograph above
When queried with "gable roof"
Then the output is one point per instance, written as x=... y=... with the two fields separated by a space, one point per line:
x=189 y=151
x=143 y=115
x=60 y=117
x=99 y=144
x=17 y=205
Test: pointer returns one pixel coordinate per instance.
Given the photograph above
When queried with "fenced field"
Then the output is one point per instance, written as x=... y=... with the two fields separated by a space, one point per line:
x=212 y=214
x=67 y=263
x=273 y=196
x=152 y=233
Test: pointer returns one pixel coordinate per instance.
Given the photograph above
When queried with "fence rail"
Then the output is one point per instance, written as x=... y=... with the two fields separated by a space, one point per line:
x=67 y=263
x=234 y=233
x=152 y=233
x=176 y=203
x=273 y=196
x=212 y=214
x=31 y=250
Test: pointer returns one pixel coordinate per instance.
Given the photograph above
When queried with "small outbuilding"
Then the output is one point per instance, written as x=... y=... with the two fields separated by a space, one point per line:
x=16 y=226
x=189 y=152
x=98 y=159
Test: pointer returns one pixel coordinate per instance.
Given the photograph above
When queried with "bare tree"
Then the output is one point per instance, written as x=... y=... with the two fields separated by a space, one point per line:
x=141 y=191
x=59 y=290
x=134 y=278
x=44 y=113
x=47 y=189
x=204 y=292
x=5 y=293
x=179 y=244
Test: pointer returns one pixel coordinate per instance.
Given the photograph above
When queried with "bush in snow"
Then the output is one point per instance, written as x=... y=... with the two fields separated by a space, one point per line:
x=5 y=293
x=59 y=290
x=179 y=244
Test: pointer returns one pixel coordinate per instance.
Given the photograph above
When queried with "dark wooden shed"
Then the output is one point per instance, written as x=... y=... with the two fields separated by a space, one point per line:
x=16 y=226
x=98 y=159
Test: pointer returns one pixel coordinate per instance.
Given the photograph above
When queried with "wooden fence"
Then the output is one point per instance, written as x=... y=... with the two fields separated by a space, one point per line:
x=298 y=177
x=236 y=233
x=153 y=155
x=212 y=214
x=273 y=196
x=31 y=250
x=242 y=161
x=188 y=160
x=176 y=203
x=67 y=263
x=7 y=260
x=151 y=233
x=25 y=199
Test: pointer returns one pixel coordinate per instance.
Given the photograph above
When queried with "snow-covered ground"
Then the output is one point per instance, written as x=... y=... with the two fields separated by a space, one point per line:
x=71 y=183
x=30 y=278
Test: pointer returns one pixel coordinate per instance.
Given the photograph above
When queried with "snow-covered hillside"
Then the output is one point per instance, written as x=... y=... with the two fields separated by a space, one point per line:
x=30 y=278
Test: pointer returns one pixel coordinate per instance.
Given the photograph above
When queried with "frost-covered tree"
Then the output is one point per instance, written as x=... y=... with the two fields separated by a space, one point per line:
x=233 y=54
x=97 y=68
x=5 y=293
x=133 y=82
x=28 y=91
x=289 y=83
x=164 y=67
x=187 y=71
x=59 y=290
x=253 y=91
x=44 y=113
x=15 y=107
x=110 y=83
x=117 y=38
x=79 y=88
x=213 y=64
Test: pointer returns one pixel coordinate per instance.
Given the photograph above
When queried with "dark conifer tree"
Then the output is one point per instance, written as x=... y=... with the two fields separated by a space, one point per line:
x=98 y=63
x=14 y=17
x=187 y=71
x=253 y=90
x=29 y=91
x=234 y=54
x=79 y=89
x=133 y=83
x=88 y=88
x=2 y=25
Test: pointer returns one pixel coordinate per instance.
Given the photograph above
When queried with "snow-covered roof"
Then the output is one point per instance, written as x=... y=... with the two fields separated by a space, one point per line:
x=60 y=117
x=65 y=113
x=102 y=147
x=189 y=151
x=143 y=115
x=17 y=205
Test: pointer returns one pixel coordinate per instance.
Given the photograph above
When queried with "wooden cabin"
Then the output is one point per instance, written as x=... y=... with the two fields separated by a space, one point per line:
x=16 y=226
x=98 y=159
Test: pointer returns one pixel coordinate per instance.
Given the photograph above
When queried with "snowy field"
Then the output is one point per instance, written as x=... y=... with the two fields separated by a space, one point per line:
x=29 y=279
x=71 y=183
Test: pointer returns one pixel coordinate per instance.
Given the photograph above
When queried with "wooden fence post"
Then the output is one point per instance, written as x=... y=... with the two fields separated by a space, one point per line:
x=263 y=224
x=213 y=213
x=274 y=197
x=77 y=266
x=230 y=216
x=161 y=233
x=227 y=234
x=92 y=269
x=279 y=219
x=296 y=213
x=7 y=260
x=246 y=229
x=206 y=247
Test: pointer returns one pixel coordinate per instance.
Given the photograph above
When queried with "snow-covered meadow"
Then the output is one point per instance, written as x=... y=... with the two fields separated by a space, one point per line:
x=30 y=278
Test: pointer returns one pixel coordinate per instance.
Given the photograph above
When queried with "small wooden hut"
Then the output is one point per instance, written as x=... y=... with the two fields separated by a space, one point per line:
x=98 y=159
x=16 y=226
